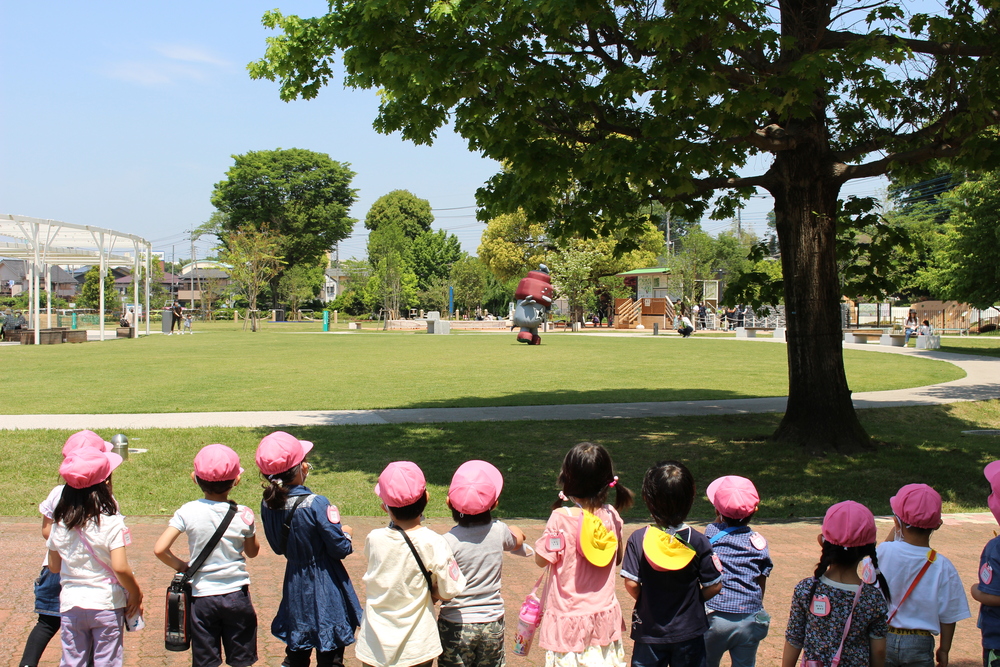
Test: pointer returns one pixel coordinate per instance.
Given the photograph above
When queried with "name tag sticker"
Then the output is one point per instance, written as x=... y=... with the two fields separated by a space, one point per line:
x=986 y=573
x=556 y=543
x=820 y=605
x=247 y=516
x=758 y=541
x=868 y=573
x=333 y=514
x=127 y=536
x=717 y=562
x=453 y=570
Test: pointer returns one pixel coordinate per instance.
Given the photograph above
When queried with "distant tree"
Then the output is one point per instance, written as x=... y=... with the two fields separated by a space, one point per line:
x=301 y=197
x=90 y=293
x=694 y=260
x=299 y=285
x=435 y=295
x=468 y=277
x=511 y=245
x=254 y=255
x=392 y=284
x=572 y=268
x=433 y=253
x=404 y=208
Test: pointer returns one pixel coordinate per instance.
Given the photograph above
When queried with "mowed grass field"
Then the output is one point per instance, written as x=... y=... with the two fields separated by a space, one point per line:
x=295 y=367
x=924 y=444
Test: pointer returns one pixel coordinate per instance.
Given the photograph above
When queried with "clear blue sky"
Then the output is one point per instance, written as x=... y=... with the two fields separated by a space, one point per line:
x=125 y=114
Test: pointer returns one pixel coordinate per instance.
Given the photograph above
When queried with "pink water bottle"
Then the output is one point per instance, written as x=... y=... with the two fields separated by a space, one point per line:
x=527 y=623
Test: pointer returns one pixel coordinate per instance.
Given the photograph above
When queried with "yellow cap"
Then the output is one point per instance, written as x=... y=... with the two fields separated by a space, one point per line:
x=664 y=551
x=597 y=544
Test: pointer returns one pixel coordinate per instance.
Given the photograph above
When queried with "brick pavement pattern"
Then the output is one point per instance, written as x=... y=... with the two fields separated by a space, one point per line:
x=793 y=549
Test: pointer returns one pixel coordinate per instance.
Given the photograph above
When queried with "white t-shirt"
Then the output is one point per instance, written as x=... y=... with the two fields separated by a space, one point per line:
x=398 y=628
x=479 y=552
x=225 y=569
x=938 y=598
x=46 y=508
x=85 y=582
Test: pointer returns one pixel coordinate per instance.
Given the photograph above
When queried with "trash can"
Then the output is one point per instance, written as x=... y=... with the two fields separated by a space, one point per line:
x=119 y=445
x=168 y=321
x=279 y=315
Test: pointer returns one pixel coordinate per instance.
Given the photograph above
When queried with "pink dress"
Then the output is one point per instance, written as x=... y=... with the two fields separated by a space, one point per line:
x=580 y=607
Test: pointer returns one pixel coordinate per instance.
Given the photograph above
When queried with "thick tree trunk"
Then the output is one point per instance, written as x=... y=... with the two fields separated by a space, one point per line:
x=820 y=414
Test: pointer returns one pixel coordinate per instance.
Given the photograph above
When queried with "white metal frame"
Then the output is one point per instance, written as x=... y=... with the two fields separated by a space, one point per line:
x=48 y=243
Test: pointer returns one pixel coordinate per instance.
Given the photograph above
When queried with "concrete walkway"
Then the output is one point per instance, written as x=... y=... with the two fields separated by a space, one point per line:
x=982 y=382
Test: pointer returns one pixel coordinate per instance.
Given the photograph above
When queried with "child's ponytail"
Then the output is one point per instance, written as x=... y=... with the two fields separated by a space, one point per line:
x=870 y=551
x=624 y=496
x=276 y=487
x=587 y=473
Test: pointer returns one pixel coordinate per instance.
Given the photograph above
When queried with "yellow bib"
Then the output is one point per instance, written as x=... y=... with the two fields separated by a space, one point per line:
x=664 y=551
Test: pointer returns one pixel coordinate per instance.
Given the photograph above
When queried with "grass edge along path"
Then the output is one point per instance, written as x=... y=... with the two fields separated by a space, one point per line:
x=920 y=444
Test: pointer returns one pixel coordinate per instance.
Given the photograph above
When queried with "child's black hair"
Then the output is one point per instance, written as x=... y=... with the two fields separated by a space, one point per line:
x=411 y=511
x=276 y=487
x=466 y=520
x=736 y=523
x=77 y=506
x=668 y=491
x=215 y=488
x=587 y=473
x=847 y=557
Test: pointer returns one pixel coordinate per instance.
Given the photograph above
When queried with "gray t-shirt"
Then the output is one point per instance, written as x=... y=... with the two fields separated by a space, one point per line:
x=225 y=569
x=479 y=552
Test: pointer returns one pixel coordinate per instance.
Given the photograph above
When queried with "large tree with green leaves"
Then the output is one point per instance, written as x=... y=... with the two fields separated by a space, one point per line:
x=300 y=197
x=619 y=102
x=90 y=293
x=403 y=208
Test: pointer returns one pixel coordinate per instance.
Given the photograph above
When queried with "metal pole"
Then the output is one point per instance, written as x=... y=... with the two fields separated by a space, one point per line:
x=149 y=252
x=48 y=294
x=135 y=286
x=102 y=273
x=36 y=316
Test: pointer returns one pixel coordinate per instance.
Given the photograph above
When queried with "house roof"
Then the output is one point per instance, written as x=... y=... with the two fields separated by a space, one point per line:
x=661 y=270
x=17 y=270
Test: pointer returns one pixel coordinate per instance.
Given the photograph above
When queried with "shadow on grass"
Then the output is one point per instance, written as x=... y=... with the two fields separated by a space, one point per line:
x=916 y=445
x=569 y=396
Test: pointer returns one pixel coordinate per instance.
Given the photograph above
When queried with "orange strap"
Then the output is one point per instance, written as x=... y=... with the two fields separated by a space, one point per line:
x=931 y=555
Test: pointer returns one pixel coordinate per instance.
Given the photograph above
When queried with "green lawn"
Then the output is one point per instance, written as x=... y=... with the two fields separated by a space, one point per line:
x=984 y=345
x=917 y=444
x=223 y=369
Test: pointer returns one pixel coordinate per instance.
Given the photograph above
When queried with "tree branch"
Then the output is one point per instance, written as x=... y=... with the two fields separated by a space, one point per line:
x=770 y=138
x=704 y=185
x=834 y=39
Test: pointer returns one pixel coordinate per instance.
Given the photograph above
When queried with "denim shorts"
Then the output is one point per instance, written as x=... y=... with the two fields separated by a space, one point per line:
x=47 y=589
x=909 y=650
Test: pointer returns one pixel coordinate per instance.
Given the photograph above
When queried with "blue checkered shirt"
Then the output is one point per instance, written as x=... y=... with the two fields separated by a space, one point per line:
x=742 y=564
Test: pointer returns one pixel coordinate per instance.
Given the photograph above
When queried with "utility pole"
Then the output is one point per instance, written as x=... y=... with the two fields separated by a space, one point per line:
x=173 y=275
x=739 y=224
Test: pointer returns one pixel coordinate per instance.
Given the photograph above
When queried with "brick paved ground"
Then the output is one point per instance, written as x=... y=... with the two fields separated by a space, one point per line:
x=793 y=548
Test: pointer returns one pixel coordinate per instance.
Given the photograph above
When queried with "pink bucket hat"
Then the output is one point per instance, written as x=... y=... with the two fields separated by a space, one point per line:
x=217 y=463
x=280 y=452
x=85 y=439
x=849 y=524
x=917 y=505
x=992 y=472
x=87 y=466
x=475 y=487
x=734 y=497
x=400 y=484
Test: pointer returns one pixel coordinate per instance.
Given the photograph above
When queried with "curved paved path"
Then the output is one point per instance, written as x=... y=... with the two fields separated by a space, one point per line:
x=982 y=382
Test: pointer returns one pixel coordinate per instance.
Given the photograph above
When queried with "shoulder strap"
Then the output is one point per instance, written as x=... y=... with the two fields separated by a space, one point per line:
x=722 y=533
x=847 y=627
x=931 y=556
x=286 y=527
x=86 y=543
x=420 y=563
x=210 y=545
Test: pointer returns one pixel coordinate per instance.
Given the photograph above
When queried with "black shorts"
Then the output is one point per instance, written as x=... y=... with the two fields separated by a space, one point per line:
x=223 y=621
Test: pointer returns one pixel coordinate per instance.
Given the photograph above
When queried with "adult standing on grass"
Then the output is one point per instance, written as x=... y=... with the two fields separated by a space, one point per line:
x=175 y=321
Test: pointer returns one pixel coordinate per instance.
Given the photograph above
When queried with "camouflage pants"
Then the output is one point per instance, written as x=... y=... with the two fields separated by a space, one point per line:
x=471 y=644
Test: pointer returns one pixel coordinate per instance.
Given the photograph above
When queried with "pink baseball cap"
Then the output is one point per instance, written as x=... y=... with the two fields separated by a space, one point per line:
x=992 y=472
x=849 y=524
x=217 y=463
x=87 y=466
x=734 y=497
x=400 y=484
x=475 y=487
x=85 y=439
x=280 y=452
x=917 y=505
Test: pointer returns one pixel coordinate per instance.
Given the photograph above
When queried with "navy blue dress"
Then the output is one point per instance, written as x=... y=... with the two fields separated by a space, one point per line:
x=319 y=608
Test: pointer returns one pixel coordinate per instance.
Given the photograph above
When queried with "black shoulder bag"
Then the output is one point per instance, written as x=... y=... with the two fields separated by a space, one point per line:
x=286 y=526
x=420 y=563
x=177 y=636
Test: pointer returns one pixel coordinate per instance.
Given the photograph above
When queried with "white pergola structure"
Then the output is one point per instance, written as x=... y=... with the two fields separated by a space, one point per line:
x=47 y=243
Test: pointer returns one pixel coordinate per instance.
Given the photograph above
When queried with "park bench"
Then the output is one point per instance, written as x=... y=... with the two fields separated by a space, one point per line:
x=751 y=332
x=931 y=342
x=125 y=332
x=862 y=336
x=75 y=336
x=52 y=336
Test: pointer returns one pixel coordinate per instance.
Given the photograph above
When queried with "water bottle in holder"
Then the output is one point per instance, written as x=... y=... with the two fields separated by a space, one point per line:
x=527 y=623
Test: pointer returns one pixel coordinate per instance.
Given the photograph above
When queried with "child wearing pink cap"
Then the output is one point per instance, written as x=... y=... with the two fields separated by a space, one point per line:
x=928 y=596
x=838 y=616
x=87 y=549
x=319 y=608
x=737 y=621
x=582 y=618
x=222 y=613
x=47 y=584
x=471 y=623
x=409 y=566
x=986 y=591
